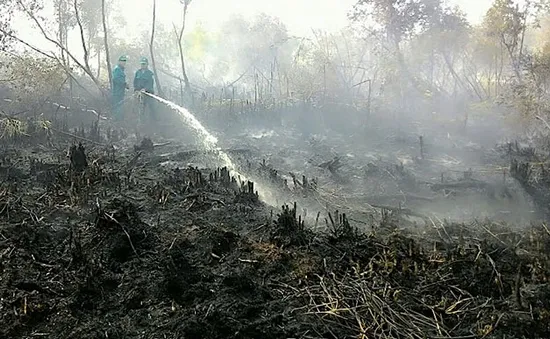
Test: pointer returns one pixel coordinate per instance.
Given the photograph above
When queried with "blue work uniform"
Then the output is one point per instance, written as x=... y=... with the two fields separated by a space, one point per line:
x=118 y=87
x=144 y=80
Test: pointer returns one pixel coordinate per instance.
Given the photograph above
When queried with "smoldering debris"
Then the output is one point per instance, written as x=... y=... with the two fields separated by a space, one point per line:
x=189 y=251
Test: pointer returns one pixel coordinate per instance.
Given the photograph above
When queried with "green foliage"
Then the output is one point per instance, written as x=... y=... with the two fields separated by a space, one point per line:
x=399 y=18
x=8 y=9
x=505 y=23
x=33 y=80
x=449 y=30
x=409 y=48
x=91 y=17
x=64 y=12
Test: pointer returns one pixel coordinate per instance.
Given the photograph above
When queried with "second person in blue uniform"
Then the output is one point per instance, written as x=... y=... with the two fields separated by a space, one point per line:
x=144 y=81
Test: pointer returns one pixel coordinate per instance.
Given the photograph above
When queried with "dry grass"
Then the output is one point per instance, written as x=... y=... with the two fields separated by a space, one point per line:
x=11 y=128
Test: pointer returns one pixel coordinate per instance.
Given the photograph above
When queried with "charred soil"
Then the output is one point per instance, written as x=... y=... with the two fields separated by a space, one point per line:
x=97 y=243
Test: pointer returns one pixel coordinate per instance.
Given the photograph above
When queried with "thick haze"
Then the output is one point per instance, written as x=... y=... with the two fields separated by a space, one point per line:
x=244 y=65
x=298 y=15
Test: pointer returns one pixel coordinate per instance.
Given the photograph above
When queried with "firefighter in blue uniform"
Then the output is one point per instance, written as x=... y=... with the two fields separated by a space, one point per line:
x=144 y=82
x=118 y=88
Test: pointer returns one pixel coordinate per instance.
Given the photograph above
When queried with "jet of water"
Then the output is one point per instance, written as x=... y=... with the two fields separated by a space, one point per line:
x=210 y=142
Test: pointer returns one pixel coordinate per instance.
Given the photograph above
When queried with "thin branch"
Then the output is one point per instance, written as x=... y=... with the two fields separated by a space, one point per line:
x=543 y=120
x=58 y=44
x=82 y=37
x=51 y=56
x=36 y=49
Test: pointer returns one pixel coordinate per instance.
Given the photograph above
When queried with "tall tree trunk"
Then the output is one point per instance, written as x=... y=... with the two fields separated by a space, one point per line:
x=152 y=50
x=60 y=21
x=184 y=73
x=82 y=36
x=99 y=63
x=106 y=42
x=407 y=73
x=522 y=41
x=179 y=36
x=61 y=12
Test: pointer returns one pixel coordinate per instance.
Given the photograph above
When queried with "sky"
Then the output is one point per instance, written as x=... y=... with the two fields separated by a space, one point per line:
x=300 y=16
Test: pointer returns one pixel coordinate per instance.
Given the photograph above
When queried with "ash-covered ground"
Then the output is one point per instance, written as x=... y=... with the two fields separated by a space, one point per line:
x=121 y=239
x=436 y=171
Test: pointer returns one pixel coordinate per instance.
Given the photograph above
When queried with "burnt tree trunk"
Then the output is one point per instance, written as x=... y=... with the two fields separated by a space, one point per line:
x=152 y=50
x=179 y=40
x=106 y=42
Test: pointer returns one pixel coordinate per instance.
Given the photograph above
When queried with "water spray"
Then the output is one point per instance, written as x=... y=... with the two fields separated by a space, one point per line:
x=210 y=142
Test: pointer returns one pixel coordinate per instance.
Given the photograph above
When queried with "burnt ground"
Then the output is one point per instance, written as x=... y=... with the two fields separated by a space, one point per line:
x=131 y=242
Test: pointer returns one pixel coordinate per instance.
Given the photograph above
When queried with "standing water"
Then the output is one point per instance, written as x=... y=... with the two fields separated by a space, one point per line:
x=209 y=141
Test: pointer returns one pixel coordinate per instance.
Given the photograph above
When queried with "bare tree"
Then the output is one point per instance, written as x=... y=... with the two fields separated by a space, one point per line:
x=152 y=49
x=179 y=41
x=59 y=44
x=7 y=14
x=65 y=23
x=106 y=40
x=82 y=36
